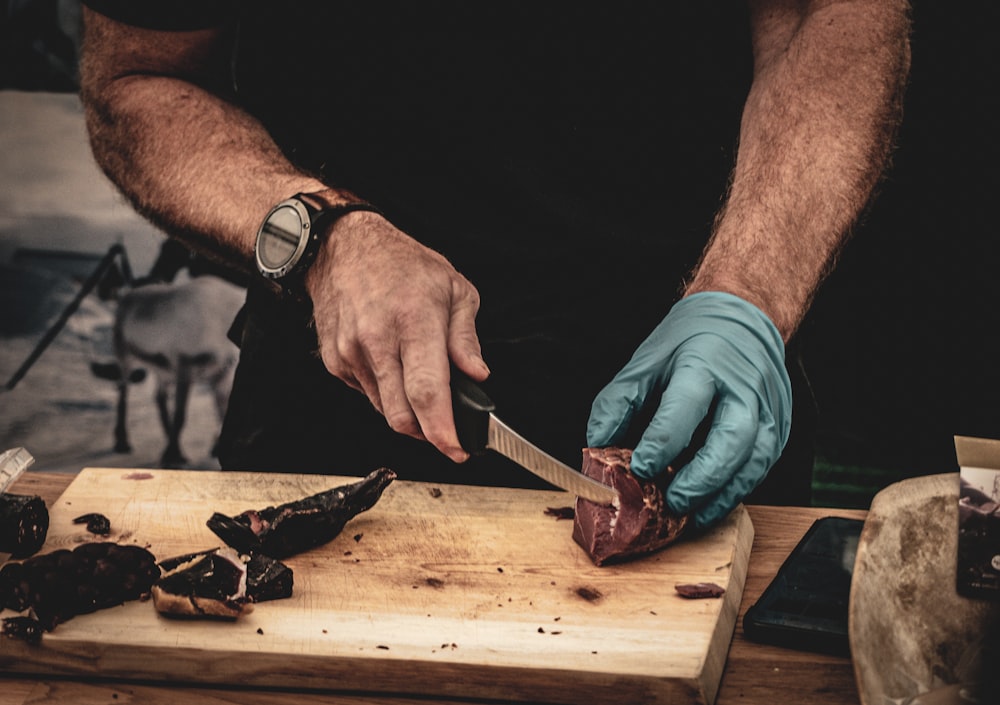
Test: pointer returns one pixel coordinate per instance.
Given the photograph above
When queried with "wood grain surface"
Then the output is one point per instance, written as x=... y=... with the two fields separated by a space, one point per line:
x=755 y=674
x=443 y=591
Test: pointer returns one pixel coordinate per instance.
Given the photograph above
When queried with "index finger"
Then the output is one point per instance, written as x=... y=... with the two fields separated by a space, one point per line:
x=426 y=381
x=684 y=404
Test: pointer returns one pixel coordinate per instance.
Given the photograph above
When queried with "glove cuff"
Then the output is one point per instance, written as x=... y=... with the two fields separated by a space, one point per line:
x=730 y=306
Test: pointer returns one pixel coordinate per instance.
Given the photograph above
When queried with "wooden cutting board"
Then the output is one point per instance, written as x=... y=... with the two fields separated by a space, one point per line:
x=439 y=590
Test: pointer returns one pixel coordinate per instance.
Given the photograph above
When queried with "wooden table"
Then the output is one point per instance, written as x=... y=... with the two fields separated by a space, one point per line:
x=754 y=673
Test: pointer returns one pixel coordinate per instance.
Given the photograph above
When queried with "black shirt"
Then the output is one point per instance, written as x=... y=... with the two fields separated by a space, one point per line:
x=567 y=157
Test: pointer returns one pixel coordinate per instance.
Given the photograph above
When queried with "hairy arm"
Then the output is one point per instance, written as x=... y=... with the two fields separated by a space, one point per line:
x=815 y=136
x=390 y=314
x=162 y=130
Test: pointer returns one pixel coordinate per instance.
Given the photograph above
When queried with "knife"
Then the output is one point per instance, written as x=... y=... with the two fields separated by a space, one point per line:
x=479 y=429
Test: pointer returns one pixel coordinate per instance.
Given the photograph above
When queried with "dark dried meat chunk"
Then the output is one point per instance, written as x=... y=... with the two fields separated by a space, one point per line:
x=205 y=584
x=26 y=629
x=297 y=526
x=60 y=585
x=24 y=524
x=638 y=524
x=267 y=578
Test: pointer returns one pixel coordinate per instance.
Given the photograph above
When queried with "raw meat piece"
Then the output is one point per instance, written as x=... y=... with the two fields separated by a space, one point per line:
x=24 y=524
x=639 y=524
x=295 y=527
x=60 y=585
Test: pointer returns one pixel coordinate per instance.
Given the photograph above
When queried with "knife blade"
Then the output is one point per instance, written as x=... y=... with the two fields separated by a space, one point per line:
x=479 y=429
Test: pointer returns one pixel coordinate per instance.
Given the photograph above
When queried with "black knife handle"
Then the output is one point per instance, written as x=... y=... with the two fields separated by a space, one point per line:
x=471 y=407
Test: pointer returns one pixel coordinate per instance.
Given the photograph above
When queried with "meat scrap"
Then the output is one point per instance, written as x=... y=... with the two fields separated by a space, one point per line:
x=560 y=512
x=637 y=525
x=96 y=523
x=589 y=594
x=24 y=524
x=694 y=591
x=194 y=573
x=297 y=526
x=205 y=584
x=60 y=585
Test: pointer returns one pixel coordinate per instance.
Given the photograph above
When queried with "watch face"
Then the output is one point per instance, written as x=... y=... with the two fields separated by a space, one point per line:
x=282 y=238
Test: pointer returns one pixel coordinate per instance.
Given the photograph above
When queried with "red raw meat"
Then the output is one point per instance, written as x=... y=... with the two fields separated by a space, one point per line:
x=640 y=524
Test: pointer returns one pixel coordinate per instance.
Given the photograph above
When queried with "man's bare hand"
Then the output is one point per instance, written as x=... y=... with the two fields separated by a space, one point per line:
x=390 y=314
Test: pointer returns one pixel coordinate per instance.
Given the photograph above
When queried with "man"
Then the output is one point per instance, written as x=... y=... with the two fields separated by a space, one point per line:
x=519 y=183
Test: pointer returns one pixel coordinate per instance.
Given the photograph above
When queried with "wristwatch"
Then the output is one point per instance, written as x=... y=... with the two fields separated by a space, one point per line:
x=292 y=233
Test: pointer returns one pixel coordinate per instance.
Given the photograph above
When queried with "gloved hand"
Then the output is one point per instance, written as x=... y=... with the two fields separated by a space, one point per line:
x=711 y=346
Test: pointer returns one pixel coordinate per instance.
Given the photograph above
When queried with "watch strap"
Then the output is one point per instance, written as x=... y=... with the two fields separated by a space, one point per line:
x=320 y=214
x=322 y=218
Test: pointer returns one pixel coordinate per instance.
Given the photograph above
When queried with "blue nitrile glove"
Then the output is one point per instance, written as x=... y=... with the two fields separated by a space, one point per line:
x=711 y=346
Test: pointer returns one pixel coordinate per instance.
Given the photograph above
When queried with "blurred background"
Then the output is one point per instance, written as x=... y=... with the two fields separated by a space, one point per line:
x=901 y=345
x=59 y=219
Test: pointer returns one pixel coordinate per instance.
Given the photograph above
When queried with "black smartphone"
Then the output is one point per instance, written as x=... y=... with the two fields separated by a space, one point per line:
x=805 y=606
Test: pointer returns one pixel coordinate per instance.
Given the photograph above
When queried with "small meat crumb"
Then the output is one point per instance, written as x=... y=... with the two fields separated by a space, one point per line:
x=435 y=492
x=589 y=594
x=96 y=523
x=693 y=591
x=560 y=512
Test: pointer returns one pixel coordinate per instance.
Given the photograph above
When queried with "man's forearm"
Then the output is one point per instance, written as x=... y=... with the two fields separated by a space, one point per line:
x=816 y=134
x=187 y=159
